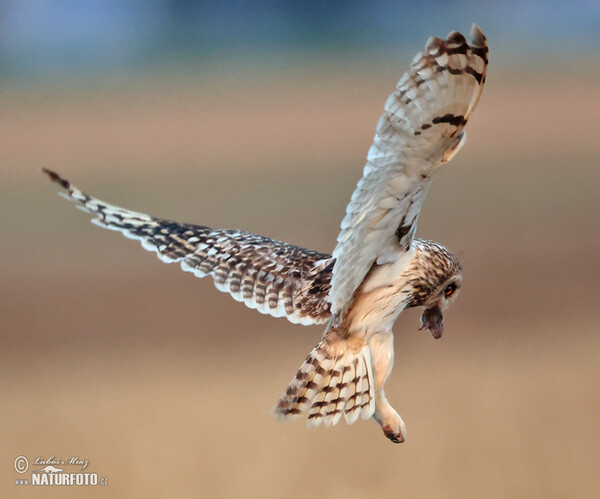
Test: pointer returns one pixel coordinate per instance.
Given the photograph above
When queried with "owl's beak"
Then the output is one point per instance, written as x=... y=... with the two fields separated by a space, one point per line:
x=433 y=320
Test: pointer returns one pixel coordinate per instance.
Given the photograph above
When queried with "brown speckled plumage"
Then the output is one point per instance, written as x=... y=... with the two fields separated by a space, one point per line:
x=378 y=267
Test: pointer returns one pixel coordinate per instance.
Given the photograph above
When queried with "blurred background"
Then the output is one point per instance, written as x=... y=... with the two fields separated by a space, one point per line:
x=258 y=115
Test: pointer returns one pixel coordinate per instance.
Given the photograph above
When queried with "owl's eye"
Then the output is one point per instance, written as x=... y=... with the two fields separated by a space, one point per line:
x=450 y=289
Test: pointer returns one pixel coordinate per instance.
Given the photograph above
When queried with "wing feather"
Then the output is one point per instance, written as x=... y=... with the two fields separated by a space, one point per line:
x=420 y=129
x=273 y=277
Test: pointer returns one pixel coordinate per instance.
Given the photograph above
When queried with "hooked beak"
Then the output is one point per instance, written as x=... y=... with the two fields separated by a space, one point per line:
x=433 y=320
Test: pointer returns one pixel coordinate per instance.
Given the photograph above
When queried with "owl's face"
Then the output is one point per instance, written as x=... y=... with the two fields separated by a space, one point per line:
x=445 y=295
x=435 y=277
x=439 y=300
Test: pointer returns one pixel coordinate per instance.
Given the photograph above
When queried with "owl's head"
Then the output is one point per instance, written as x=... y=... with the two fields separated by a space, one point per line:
x=435 y=281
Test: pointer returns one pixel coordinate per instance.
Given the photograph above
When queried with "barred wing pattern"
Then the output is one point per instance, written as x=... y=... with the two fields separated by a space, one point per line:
x=273 y=277
x=420 y=129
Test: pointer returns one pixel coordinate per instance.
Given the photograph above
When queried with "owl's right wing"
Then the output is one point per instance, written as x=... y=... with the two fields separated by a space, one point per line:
x=420 y=130
x=271 y=276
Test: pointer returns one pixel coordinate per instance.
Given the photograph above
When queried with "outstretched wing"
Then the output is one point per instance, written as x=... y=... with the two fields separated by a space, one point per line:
x=421 y=128
x=273 y=277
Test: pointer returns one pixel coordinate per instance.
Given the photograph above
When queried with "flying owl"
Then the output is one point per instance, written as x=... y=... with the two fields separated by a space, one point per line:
x=377 y=269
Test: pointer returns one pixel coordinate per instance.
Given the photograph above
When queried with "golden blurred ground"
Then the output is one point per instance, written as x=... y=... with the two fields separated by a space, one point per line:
x=164 y=385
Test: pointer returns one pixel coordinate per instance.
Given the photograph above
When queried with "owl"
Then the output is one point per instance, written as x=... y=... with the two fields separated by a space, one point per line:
x=378 y=267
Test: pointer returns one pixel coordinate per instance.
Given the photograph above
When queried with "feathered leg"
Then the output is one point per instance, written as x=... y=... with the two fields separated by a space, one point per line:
x=382 y=352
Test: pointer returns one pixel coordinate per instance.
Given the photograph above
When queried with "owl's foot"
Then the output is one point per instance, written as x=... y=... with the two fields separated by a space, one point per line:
x=396 y=435
x=391 y=423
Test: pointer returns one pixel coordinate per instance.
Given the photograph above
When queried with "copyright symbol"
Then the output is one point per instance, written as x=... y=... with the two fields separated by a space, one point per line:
x=21 y=464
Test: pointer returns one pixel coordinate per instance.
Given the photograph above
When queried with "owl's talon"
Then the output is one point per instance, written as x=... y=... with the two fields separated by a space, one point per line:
x=396 y=437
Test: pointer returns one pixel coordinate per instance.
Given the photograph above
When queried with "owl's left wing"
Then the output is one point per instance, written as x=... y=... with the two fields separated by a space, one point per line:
x=421 y=128
x=273 y=277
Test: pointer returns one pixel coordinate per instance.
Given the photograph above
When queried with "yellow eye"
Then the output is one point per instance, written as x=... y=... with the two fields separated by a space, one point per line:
x=450 y=289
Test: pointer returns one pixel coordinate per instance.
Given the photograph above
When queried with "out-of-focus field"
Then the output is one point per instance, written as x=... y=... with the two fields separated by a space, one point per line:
x=165 y=385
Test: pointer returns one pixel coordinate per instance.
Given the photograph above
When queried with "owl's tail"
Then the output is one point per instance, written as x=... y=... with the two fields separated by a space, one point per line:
x=336 y=379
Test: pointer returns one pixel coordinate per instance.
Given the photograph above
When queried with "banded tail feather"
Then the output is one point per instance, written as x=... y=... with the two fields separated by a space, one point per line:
x=335 y=380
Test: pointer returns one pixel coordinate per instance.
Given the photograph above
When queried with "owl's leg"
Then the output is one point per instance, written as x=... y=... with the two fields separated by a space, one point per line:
x=382 y=353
